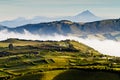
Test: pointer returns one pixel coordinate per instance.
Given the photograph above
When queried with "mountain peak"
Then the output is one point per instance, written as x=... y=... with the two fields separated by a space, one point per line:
x=86 y=13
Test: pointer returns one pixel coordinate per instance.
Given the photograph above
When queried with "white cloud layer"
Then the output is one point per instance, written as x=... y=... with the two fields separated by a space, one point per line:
x=106 y=47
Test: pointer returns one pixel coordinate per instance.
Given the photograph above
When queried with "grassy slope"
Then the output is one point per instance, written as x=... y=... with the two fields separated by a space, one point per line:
x=71 y=75
x=49 y=75
x=29 y=65
x=84 y=48
x=17 y=43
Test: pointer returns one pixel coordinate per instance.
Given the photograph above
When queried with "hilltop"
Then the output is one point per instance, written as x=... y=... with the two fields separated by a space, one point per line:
x=64 y=45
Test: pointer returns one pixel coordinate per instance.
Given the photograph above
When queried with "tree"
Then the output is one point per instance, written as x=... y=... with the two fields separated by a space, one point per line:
x=11 y=47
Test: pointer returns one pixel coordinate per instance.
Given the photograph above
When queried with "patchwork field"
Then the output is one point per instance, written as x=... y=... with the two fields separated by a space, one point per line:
x=55 y=60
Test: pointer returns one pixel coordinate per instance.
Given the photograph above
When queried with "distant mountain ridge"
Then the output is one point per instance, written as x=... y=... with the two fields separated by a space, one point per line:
x=105 y=29
x=85 y=16
x=3 y=27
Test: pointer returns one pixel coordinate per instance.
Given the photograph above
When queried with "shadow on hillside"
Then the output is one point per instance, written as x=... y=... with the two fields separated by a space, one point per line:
x=30 y=77
x=87 y=75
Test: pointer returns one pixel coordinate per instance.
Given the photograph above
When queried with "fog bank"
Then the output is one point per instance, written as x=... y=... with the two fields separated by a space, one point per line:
x=106 y=47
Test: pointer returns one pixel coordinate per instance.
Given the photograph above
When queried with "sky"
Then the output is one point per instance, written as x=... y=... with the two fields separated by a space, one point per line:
x=10 y=9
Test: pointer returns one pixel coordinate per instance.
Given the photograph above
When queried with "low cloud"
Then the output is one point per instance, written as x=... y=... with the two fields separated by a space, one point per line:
x=108 y=47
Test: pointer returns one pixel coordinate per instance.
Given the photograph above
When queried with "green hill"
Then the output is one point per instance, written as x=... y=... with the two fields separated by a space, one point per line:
x=48 y=60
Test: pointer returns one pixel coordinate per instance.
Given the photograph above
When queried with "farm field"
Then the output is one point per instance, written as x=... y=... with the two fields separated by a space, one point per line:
x=55 y=60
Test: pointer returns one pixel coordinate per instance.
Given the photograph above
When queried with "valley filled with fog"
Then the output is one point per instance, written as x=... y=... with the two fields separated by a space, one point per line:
x=108 y=47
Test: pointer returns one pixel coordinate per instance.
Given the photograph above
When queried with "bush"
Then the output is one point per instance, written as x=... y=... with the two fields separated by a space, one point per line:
x=11 y=46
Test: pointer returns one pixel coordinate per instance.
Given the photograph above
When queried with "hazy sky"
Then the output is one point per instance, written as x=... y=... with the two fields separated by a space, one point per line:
x=10 y=9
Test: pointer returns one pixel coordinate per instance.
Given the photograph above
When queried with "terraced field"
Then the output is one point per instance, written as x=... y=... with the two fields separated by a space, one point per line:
x=55 y=60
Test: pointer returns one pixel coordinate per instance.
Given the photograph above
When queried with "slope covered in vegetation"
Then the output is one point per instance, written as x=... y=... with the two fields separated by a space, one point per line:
x=53 y=60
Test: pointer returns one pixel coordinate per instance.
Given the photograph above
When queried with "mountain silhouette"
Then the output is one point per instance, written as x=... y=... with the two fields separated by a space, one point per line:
x=85 y=16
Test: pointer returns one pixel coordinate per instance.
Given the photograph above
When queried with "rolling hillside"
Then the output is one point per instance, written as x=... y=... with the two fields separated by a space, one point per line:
x=54 y=60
